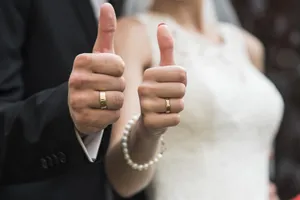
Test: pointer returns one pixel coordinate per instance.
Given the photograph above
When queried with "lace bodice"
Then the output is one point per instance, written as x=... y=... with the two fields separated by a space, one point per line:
x=232 y=112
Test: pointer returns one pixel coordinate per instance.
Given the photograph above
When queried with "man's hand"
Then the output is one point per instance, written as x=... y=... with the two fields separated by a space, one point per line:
x=272 y=192
x=161 y=93
x=95 y=73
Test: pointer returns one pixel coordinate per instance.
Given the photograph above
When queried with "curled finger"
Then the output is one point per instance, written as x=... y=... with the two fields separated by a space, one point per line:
x=91 y=81
x=160 y=121
x=92 y=120
x=166 y=74
x=110 y=100
x=161 y=90
x=106 y=63
x=113 y=100
x=159 y=105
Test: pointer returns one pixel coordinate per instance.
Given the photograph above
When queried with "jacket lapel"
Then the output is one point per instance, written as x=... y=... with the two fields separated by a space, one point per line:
x=86 y=17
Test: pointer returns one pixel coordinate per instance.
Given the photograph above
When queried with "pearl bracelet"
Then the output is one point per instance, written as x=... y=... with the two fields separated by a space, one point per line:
x=129 y=161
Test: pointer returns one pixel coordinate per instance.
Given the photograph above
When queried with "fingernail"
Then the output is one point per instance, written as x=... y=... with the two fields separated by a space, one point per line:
x=161 y=24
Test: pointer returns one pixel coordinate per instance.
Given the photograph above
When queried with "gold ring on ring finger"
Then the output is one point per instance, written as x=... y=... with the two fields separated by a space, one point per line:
x=168 y=106
x=103 y=101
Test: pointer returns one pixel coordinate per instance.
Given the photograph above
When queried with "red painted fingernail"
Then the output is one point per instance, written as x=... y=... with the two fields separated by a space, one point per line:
x=161 y=24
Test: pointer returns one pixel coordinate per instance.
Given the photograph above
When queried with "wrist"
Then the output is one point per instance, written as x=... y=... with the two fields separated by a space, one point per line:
x=81 y=135
x=141 y=146
x=145 y=133
x=84 y=134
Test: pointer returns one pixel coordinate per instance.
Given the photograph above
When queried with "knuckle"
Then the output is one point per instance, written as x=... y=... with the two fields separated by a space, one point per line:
x=181 y=89
x=145 y=89
x=122 y=83
x=110 y=27
x=76 y=79
x=146 y=105
x=181 y=105
x=81 y=118
x=76 y=101
x=148 y=73
x=115 y=115
x=119 y=65
x=118 y=99
x=175 y=120
x=73 y=103
x=181 y=75
x=82 y=60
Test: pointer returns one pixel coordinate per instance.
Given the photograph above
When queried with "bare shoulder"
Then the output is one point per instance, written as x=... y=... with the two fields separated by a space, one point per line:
x=255 y=49
x=131 y=37
x=127 y=26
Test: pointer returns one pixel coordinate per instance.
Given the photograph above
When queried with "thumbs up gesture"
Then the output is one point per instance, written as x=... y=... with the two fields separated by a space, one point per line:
x=96 y=84
x=163 y=88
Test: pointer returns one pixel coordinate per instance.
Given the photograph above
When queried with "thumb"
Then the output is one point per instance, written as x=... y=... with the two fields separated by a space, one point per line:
x=106 y=29
x=166 y=45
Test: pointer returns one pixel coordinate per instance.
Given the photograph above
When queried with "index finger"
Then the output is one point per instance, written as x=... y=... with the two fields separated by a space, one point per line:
x=106 y=29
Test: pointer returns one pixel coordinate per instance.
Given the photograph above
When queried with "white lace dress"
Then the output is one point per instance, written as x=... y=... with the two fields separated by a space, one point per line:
x=232 y=112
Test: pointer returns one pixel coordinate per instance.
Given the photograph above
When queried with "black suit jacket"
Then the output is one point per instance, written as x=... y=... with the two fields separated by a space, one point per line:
x=40 y=156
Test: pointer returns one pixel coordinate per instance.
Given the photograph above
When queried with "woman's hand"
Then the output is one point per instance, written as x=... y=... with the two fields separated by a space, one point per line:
x=155 y=87
x=163 y=88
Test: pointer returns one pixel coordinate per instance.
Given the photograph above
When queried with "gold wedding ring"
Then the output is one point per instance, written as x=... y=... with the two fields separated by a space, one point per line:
x=168 y=106
x=102 y=100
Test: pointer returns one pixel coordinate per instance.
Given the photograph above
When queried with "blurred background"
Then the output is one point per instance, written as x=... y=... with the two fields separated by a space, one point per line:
x=277 y=24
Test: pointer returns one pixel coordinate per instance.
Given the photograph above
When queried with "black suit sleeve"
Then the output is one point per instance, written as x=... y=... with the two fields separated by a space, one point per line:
x=37 y=138
x=13 y=17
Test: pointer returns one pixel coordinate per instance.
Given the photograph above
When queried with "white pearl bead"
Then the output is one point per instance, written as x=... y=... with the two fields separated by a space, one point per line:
x=126 y=133
x=124 y=144
x=140 y=167
x=127 y=127
x=136 y=117
x=135 y=166
x=126 y=155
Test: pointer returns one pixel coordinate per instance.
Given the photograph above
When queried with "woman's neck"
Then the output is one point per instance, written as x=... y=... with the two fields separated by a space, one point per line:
x=188 y=13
